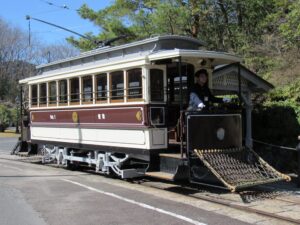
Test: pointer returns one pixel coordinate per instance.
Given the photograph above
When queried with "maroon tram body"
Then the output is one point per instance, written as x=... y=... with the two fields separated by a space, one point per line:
x=124 y=110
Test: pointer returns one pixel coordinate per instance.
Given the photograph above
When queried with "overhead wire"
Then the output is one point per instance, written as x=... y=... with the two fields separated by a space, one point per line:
x=63 y=7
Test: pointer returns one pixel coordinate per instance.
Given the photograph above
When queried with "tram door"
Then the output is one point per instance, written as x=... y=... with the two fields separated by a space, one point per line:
x=173 y=95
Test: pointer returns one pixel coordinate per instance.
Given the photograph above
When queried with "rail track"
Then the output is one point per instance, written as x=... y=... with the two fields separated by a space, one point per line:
x=258 y=194
x=211 y=194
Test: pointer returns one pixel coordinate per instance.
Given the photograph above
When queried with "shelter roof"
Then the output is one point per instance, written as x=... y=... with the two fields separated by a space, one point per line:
x=225 y=78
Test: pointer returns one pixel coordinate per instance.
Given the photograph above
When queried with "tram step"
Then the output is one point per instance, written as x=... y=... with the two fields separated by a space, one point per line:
x=172 y=155
x=161 y=175
x=169 y=162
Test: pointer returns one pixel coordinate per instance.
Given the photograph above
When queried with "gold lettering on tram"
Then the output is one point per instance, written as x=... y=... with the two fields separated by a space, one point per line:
x=75 y=117
x=138 y=115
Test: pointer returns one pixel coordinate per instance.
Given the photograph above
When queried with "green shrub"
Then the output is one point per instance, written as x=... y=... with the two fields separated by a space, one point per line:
x=276 y=123
x=286 y=96
x=5 y=117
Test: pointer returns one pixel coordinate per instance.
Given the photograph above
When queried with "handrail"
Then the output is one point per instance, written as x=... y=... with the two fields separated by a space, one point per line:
x=275 y=146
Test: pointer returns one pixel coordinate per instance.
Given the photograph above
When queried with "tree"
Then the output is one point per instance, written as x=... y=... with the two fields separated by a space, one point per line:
x=53 y=52
x=14 y=55
x=5 y=117
x=223 y=24
x=18 y=58
x=285 y=21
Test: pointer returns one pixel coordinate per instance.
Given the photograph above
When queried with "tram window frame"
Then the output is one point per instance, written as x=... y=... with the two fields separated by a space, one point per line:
x=34 y=95
x=52 y=93
x=43 y=94
x=157 y=85
x=87 y=96
x=63 y=98
x=176 y=90
x=117 y=94
x=134 y=76
x=173 y=83
x=101 y=94
x=74 y=91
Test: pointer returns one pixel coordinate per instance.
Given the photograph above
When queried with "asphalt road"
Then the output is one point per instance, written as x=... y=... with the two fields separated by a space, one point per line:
x=33 y=194
x=7 y=144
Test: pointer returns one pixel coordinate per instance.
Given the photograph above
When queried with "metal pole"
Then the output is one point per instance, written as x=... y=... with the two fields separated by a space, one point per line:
x=21 y=110
x=17 y=102
x=29 y=33
x=298 y=150
x=180 y=80
x=240 y=85
x=179 y=65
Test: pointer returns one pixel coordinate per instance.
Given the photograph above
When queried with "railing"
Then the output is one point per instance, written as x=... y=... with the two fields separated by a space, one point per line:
x=297 y=149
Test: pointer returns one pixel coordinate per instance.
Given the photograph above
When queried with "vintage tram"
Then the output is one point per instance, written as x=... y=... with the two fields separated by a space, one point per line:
x=124 y=110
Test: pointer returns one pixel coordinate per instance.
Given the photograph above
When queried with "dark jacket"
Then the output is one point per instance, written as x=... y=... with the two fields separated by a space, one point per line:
x=205 y=95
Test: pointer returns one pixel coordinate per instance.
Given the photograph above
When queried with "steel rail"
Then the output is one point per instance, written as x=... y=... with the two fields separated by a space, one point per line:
x=233 y=205
x=247 y=209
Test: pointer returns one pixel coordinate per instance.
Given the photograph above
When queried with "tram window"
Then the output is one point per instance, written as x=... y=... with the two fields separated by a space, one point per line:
x=187 y=71
x=52 y=93
x=34 y=95
x=74 y=90
x=134 y=78
x=177 y=88
x=156 y=85
x=63 y=92
x=43 y=94
x=101 y=81
x=87 y=85
x=157 y=115
x=117 y=86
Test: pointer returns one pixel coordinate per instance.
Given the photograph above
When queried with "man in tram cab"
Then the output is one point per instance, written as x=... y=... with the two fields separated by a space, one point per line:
x=200 y=95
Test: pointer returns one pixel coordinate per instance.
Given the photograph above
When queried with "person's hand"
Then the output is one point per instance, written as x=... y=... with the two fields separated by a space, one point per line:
x=226 y=100
x=201 y=105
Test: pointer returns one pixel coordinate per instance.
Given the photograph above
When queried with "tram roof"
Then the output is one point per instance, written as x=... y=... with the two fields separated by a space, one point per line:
x=148 y=50
x=150 y=44
x=215 y=58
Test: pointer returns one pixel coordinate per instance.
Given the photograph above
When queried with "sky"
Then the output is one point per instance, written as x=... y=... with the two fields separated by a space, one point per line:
x=53 y=11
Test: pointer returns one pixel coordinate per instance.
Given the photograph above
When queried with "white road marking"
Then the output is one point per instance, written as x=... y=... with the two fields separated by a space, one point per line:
x=189 y=220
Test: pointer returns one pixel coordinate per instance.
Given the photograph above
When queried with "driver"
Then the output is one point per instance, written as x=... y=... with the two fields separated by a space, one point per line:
x=200 y=95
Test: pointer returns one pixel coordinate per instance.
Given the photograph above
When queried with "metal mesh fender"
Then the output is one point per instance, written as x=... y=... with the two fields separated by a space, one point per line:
x=239 y=168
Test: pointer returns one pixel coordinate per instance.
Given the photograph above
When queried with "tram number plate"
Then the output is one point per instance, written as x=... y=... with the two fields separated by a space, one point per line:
x=101 y=116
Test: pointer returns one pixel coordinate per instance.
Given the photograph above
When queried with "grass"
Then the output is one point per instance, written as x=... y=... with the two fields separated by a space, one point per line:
x=8 y=134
